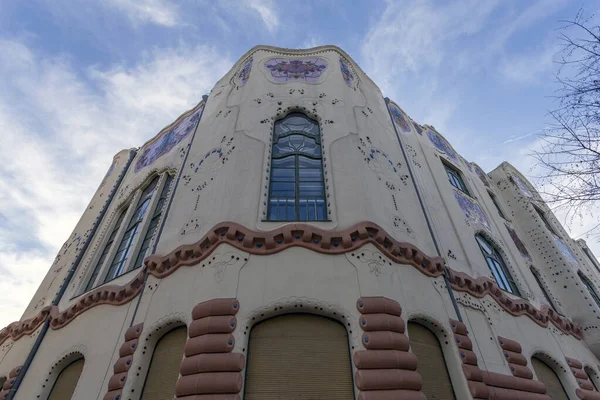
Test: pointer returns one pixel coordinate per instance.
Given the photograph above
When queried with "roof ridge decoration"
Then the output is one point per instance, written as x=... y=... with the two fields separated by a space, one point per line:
x=275 y=241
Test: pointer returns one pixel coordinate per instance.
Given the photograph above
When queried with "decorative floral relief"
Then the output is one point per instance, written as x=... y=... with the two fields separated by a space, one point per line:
x=400 y=224
x=373 y=259
x=471 y=209
x=245 y=73
x=346 y=73
x=168 y=140
x=305 y=69
x=383 y=165
x=482 y=176
x=442 y=145
x=524 y=188
x=517 y=241
x=219 y=263
x=198 y=171
x=399 y=118
x=564 y=249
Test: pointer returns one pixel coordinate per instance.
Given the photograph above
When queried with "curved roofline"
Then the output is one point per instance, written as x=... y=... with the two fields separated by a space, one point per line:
x=302 y=52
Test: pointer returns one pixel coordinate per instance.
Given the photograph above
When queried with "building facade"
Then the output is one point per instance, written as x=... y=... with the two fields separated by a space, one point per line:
x=296 y=235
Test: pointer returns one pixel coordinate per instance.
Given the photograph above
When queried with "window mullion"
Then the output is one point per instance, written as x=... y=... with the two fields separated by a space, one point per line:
x=143 y=225
x=297 y=194
x=118 y=238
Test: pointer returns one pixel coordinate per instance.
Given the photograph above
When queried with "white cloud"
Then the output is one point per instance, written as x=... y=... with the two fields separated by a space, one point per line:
x=529 y=68
x=60 y=130
x=160 y=12
x=267 y=12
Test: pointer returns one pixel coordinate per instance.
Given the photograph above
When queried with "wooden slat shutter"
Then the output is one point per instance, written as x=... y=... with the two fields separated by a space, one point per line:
x=545 y=374
x=430 y=363
x=299 y=356
x=66 y=382
x=164 y=366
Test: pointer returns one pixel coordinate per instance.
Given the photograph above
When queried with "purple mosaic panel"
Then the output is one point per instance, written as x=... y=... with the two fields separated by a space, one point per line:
x=168 y=140
x=245 y=73
x=442 y=145
x=524 y=188
x=303 y=70
x=564 y=249
x=471 y=209
x=399 y=118
x=517 y=241
x=346 y=73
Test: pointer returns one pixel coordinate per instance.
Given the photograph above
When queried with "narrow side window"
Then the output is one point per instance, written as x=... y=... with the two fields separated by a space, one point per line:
x=497 y=266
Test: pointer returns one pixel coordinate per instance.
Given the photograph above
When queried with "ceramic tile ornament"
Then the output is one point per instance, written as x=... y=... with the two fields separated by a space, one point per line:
x=526 y=191
x=441 y=144
x=244 y=74
x=517 y=241
x=168 y=140
x=399 y=118
x=301 y=70
x=564 y=249
x=346 y=73
x=473 y=212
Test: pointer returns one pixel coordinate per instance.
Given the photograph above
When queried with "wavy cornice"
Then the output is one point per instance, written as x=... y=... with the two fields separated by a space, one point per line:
x=483 y=286
x=274 y=241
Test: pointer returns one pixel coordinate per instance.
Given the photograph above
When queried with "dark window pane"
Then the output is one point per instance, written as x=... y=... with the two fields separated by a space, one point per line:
x=311 y=188
x=285 y=175
x=283 y=189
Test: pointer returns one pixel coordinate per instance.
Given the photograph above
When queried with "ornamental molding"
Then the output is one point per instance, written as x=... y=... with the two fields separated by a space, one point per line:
x=274 y=241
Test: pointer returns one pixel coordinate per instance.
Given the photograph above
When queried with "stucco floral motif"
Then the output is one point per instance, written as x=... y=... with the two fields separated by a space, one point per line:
x=518 y=242
x=442 y=145
x=373 y=259
x=482 y=176
x=346 y=73
x=564 y=249
x=471 y=209
x=380 y=162
x=220 y=261
x=305 y=69
x=399 y=118
x=524 y=188
x=245 y=72
x=168 y=140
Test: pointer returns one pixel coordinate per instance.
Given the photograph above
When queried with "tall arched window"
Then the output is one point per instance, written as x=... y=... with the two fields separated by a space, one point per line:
x=497 y=266
x=299 y=356
x=590 y=287
x=538 y=279
x=431 y=365
x=545 y=374
x=297 y=188
x=164 y=366
x=66 y=382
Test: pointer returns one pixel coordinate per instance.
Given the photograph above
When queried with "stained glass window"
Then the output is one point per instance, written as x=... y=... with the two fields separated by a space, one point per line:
x=126 y=246
x=590 y=287
x=455 y=178
x=297 y=189
x=538 y=279
x=497 y=266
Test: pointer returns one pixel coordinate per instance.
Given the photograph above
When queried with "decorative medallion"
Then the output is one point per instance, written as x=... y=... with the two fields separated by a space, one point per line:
x=303 y=70
x=346 y=74
x=399 y=118
x=245 y=73
x=564 y=249
x=471 y=209
x=482 y=176
x=524 y=188
x=517 y=241
x=442 y=145
x=168 y=140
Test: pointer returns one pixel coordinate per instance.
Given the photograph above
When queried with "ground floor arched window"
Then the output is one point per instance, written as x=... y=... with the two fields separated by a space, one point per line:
x=430 y=363
x=299 y=356
x=66 y=382
x=164 y=366
x=545 y=374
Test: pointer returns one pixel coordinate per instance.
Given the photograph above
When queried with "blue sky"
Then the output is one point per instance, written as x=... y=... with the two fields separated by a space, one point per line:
x=81 y=80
